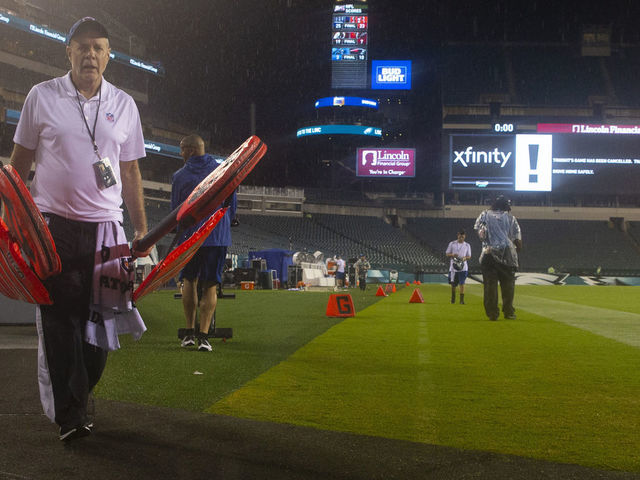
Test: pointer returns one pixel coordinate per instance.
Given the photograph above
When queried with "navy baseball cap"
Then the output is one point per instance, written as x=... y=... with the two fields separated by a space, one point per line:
x=87 y=24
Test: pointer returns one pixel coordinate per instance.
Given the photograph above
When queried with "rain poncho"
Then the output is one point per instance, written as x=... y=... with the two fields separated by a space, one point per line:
x=497 y=230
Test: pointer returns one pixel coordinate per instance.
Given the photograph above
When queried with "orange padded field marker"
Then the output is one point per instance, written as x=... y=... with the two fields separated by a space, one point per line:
x=416 y=297
x=340 y=305
x=380 y=292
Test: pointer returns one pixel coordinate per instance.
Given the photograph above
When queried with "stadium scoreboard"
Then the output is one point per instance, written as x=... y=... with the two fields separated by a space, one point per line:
x=349 y=45
x=566 y=158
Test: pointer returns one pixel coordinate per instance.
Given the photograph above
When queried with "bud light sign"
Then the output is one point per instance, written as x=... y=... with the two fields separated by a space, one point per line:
x=391 y=74
x=386 y=162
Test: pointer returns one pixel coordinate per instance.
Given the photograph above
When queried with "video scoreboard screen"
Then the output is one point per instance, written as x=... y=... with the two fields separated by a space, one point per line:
x=349 y=45
x=567 y=158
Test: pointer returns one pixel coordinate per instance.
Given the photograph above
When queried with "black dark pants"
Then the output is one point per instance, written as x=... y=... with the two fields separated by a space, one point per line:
x=494 y=272
x=362 y=282
x=74 y=366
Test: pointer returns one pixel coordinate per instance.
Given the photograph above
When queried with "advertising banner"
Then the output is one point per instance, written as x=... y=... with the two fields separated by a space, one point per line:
x=391 y=74
x=386 y=162
x=575 y=159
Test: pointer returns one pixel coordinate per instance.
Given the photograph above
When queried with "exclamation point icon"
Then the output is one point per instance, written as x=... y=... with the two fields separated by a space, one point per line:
x=533 y=162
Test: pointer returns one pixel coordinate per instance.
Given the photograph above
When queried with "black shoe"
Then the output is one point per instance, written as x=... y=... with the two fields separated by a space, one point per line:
x=204 y=345
x=461 y=302
x=68 y=434
x=511 y=316
x=493 y=319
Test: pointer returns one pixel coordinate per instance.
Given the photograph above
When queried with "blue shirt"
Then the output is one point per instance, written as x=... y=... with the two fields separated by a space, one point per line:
x=189 y=177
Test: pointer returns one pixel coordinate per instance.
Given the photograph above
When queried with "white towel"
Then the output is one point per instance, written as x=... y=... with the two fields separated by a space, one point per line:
x=112 y=310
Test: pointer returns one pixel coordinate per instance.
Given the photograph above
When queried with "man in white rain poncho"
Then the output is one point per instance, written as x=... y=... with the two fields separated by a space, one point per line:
x=501 y=240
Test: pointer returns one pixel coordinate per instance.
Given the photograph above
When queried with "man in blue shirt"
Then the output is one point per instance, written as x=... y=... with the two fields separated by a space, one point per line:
x=207 y=264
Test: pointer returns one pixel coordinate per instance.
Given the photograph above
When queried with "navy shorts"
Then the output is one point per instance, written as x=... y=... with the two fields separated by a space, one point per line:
x=340 y=275
x=458 y=278
x=207 y=264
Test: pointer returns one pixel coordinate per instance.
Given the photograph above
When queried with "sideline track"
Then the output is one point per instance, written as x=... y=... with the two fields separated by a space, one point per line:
x=613 y=324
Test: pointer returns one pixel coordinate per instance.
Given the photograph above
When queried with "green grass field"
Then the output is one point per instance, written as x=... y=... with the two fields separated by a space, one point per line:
x=560 y=383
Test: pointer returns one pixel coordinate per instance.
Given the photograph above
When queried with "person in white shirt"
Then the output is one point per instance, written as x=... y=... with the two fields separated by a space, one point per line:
x=84 y=136
x=458 y=252
x=340 y=271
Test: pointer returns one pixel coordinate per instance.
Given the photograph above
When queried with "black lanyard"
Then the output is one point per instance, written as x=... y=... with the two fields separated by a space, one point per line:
x=92 y=134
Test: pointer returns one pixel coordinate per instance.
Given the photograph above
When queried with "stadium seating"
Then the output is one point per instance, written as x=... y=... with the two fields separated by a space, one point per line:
x=473 y=71
x=534 y=75
x=578 y=247
x=436 y=233
x=391 y=246
x=573 y=81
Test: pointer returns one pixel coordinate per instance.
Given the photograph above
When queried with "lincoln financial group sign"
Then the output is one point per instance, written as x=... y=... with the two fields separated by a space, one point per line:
x=386 y=162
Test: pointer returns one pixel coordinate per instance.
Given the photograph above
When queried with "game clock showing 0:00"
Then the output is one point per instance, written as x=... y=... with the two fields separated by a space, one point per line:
x=504 y=127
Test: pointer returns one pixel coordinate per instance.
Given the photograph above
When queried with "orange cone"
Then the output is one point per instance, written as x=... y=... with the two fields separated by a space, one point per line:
x=380 y=292
x=340 y=305
x=406 y=284
x=416 y=297
x=393 y=288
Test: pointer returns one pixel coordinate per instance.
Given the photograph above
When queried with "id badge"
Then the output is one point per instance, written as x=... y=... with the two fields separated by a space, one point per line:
x=104 y=173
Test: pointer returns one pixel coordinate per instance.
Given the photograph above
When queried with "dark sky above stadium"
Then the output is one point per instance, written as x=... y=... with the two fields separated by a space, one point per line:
x=223 y=55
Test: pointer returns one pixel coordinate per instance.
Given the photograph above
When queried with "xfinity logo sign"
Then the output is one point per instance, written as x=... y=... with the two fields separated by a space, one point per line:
x=521 y=162
x=470 y=156
x=391 y=74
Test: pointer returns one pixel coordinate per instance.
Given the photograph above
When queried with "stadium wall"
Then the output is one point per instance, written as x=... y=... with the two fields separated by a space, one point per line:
x=472 y=211
x=534 y=213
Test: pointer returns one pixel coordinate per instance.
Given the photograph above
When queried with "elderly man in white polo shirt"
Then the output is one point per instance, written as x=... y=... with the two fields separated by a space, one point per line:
x=85 y=137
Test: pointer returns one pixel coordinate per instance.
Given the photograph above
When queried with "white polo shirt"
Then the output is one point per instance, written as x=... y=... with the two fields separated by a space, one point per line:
x=51 y=123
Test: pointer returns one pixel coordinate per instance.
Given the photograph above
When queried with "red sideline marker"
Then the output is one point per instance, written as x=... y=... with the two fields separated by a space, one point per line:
x=340 y=305
x=177 y=258
x=416 y=297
